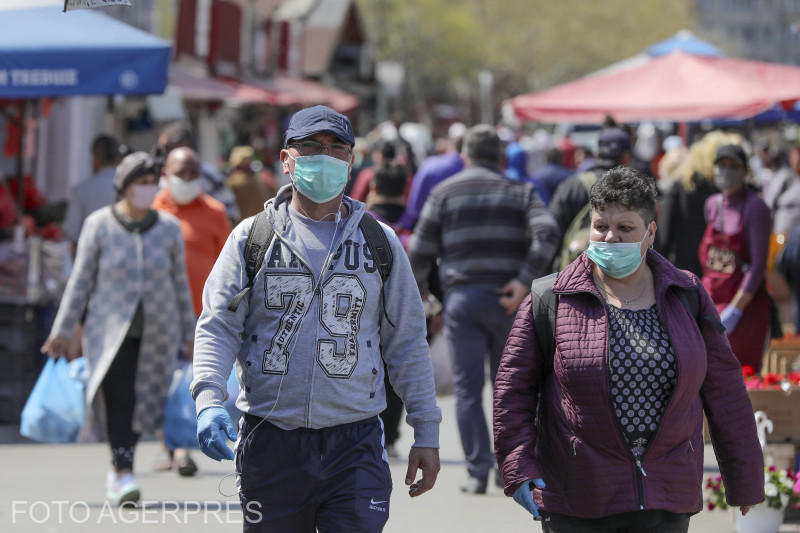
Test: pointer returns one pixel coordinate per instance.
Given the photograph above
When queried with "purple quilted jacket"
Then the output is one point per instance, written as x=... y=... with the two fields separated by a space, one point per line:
x=579 y=450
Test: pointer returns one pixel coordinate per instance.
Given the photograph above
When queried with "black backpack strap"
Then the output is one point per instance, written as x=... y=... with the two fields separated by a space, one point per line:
x=378 y=244
x=544 y=305
x=690 y=299
x=381 y=252
x=255 y=248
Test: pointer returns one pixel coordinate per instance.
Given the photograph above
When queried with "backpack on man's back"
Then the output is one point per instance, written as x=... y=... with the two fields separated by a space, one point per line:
x=576 y=237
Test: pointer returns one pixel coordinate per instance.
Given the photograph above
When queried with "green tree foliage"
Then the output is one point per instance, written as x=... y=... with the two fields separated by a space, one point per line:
x=527 y=44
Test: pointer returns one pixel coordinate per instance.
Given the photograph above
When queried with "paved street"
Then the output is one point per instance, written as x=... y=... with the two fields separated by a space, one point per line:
x=37 y=477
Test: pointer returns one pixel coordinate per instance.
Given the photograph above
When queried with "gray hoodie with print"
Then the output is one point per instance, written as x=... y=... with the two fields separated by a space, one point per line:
x=308 y=351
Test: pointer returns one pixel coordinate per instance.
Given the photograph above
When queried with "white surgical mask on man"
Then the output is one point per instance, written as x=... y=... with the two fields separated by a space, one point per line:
x=182 y=191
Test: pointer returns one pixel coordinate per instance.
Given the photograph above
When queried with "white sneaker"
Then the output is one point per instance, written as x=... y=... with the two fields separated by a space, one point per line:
x=121 y=489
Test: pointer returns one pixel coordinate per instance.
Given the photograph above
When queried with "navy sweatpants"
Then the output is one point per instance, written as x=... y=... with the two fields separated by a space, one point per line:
x=329 y=480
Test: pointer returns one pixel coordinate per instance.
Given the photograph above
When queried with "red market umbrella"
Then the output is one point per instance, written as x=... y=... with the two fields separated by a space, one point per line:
x=676 y=86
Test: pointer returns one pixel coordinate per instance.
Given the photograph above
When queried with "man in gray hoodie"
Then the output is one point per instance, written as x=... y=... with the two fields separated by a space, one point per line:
x=309 y=341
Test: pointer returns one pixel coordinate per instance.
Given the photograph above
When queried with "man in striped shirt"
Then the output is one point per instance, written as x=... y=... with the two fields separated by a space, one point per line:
x=492 y=237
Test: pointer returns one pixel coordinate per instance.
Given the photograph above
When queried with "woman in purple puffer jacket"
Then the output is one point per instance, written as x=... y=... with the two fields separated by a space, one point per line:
x=618 y=445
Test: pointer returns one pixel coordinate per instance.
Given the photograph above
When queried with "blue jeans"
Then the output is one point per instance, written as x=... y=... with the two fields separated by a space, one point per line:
x=476 y=327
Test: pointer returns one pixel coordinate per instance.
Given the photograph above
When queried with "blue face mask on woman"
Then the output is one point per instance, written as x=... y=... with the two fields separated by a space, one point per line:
x=320 y=178
x=617 y=259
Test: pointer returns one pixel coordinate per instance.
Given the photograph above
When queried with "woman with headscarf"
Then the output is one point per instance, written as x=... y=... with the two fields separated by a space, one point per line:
x=129 y=286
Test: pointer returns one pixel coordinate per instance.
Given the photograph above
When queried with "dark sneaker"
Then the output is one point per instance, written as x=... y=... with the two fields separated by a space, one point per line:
x=474 y=485
x=186 y=466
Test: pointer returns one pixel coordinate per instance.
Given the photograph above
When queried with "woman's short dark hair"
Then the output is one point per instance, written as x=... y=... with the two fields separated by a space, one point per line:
x=628 y=188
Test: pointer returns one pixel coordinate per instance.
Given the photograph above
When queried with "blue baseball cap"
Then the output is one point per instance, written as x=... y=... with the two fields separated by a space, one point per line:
x=612 y=144
x=318 y=119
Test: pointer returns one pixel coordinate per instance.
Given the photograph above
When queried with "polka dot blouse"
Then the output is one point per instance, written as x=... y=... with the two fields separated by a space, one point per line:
x=643 y=373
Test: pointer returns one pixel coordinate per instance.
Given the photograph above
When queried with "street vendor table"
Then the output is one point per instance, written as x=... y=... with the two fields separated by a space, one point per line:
x=22 y=329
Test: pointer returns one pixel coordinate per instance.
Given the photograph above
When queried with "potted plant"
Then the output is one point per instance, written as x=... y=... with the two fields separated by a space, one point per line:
x=781 y=488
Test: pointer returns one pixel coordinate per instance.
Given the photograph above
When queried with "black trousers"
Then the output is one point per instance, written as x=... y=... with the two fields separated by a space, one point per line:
x=120 y=397
x=648 y=521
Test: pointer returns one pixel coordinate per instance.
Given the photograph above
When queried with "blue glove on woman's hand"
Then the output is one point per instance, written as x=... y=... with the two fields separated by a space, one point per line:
x=730 y=318
x=214 y=424
x=524 y=497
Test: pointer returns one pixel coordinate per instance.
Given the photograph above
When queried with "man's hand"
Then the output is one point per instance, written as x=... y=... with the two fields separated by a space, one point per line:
x=512 y=295
x=744 y=509
x=214 y=424
x=426 y=459
x=56 y=346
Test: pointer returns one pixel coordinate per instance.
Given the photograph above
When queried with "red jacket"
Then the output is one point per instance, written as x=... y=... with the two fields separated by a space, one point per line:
x=581 y=453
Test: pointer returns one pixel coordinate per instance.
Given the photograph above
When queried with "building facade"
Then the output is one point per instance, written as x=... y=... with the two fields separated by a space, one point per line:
x=763 y=30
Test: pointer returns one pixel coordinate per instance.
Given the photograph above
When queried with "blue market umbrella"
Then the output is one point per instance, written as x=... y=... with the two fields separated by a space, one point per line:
x=685 y=41
x=47 y=53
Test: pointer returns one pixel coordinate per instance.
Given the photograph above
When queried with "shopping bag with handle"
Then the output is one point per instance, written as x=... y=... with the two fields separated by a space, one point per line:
x=56 y=406
x=180 y=422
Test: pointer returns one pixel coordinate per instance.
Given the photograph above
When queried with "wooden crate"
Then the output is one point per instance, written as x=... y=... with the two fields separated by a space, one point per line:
x=783 y=409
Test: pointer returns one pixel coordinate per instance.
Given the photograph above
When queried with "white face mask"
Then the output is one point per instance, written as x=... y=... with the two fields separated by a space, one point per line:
x=182 y=191
x=142 y=196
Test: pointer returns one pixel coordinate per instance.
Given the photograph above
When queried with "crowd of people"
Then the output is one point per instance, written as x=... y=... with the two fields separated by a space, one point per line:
x=662 y=252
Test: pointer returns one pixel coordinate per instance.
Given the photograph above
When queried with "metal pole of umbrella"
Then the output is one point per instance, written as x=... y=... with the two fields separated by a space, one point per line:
x=20 y=162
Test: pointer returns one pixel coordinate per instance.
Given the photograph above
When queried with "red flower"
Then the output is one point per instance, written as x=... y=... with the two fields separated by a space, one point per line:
x=748 y=371
x=711 y=506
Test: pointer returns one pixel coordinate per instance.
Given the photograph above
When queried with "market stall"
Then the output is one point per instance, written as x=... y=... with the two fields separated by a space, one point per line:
x=677 y=86
x=45 y=54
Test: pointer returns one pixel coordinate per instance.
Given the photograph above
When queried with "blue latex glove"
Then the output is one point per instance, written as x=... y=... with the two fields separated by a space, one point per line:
x=524 y=497
x=730 y=318
x=214 y=424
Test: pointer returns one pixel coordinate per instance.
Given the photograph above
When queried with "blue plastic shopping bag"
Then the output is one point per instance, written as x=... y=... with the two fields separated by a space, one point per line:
x=180 y=422
x=56 y=407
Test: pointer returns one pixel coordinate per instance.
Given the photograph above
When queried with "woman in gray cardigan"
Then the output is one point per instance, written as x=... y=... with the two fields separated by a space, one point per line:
x=129 y=287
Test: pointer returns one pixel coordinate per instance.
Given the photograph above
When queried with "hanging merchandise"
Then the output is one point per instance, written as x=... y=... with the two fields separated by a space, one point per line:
x=70 y=5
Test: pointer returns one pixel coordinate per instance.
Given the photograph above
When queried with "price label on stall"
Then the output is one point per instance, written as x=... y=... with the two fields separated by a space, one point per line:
x=69 y=5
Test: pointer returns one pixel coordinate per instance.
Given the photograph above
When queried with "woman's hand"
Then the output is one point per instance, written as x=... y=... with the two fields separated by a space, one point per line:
x=730 y=317
x=188 y=350
x=745 y=509
x=56 y=346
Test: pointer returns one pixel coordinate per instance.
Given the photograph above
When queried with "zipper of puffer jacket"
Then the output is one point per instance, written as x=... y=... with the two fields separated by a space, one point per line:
x=638 y=471
x=666 y=408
